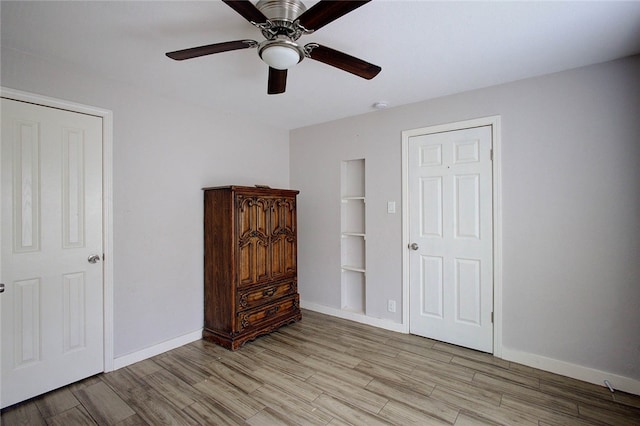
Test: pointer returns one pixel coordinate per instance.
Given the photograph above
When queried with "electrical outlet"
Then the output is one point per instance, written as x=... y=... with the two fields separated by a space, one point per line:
x=391 y=305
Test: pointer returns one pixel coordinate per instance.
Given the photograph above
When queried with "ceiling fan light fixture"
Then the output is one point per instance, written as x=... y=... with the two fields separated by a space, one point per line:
x=280 y=54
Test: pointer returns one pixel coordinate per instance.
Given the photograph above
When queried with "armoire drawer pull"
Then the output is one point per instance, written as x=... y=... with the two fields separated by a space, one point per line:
x=271 y=311
x=269 y=292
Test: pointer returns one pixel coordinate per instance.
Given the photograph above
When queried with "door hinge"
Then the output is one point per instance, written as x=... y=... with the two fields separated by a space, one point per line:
x=491 y=155
x=491 y=317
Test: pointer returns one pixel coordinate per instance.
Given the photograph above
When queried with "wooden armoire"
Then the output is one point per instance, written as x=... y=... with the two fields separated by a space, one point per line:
x=250 y=263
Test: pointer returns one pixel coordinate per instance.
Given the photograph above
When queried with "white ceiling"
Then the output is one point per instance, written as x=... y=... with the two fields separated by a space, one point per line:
x=426 y=49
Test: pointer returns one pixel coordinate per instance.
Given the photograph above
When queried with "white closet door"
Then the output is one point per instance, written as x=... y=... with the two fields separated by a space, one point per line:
x=52 y=306
x=450 y=208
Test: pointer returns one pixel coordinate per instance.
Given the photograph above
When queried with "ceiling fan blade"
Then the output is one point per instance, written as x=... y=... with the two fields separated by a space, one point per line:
x=247 y=10
x=343 y=61
x=277 y=81
x=209 y=49
x=327 y=11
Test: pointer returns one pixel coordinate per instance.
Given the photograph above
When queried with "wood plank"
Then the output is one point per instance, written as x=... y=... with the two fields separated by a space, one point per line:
x=384 y=360
x=354 y=376
x=241 y=360
x=401 y=414
x=543 y=413
x=287 y=382
x=605 y=402
x=417 y=354
x=484 y=411
x=393 y=377
x=415 y=400
x=607 y=417
x=144 y=368
x=103 y=404
x=564 y=405
x=269 y=417
x=467 y=419
x=157 y=410
x=122 y=381
x=471 y=391
x=235 y=377
x=471 y=354
x=348 y=414
x=354 y=395
x=285 y=364
x=172 y=388
x=25 y=413
x=210 y=412
x=299 y=411
x=319 y=336
x=187 y=371
x=56 y=402
x=430 y=367
x=496 y=371
x=77 y=415
x=233 y=399
x=134 y=420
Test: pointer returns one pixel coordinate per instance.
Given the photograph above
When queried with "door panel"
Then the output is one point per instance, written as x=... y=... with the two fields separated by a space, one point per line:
x=283 y=242
x=52 y=308
x=253 y=240
x=450 y=220
x=432 y=286
x=246 y=242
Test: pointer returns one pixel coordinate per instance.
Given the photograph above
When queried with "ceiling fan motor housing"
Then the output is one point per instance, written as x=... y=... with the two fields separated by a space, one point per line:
x=281 y=10
x=281 y=15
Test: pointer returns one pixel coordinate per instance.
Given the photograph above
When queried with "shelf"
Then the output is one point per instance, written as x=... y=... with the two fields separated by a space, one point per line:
x=353 y=269
x=347 y=199
x=354 y=234
x=353 y=310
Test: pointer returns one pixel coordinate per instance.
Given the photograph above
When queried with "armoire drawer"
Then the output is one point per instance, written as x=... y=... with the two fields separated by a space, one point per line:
x=286 y=307
x=252 y=298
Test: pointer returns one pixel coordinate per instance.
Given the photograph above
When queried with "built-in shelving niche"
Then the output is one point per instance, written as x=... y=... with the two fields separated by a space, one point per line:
x=353 y=235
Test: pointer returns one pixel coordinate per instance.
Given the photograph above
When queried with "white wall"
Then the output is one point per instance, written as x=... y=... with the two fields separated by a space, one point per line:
x=164 y=152
x=571 y=210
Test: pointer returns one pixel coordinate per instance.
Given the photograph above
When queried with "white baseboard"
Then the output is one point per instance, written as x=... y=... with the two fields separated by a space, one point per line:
x=154 y=350
x=574 y=371
x=353 y=316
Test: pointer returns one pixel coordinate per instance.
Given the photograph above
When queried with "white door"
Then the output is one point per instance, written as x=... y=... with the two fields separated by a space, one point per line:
x=451 y=236
x=52 y=306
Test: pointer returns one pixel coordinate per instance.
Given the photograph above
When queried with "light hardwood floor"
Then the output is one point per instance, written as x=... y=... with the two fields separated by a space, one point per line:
x=325 y=370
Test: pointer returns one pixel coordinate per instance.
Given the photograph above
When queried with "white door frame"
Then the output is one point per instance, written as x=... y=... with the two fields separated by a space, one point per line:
x=493 y=121
x=107 y=199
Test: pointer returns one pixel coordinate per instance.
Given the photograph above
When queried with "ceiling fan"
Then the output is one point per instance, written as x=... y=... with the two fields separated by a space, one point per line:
x=282 y=23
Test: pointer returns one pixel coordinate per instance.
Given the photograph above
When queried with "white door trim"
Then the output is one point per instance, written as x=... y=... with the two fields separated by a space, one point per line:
x=107 y=198
x=493 y=121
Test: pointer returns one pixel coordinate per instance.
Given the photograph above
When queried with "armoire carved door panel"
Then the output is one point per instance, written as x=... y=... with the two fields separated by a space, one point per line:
x=253 y=240
x=283 y=237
